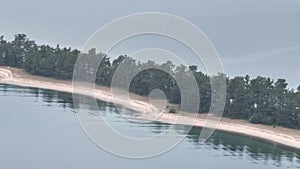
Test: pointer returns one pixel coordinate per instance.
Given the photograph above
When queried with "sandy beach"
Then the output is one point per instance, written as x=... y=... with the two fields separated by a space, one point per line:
x=278 y=135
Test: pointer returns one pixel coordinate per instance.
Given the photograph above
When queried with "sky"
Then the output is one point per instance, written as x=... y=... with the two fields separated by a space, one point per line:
x=255 y=37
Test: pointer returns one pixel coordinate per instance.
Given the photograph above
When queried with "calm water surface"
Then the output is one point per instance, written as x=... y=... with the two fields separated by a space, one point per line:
x=39 y=130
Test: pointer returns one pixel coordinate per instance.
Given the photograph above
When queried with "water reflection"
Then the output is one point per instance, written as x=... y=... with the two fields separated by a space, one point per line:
x=235 y=145
x=48 y=96
x=227 y=144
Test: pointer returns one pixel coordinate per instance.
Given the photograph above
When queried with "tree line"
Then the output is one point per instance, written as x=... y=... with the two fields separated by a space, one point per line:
x=259 y=100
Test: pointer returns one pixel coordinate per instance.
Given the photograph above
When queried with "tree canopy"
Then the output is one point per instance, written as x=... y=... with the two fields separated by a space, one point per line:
x=259 y=100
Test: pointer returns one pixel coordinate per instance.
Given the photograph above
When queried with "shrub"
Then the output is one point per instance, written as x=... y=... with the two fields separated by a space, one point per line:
x=172 y=110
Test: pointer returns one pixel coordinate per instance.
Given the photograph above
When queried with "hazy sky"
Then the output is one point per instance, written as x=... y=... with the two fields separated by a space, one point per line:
x=255 y=37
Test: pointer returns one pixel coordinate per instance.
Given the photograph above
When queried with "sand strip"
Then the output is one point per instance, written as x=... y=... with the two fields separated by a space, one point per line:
x=278 y=135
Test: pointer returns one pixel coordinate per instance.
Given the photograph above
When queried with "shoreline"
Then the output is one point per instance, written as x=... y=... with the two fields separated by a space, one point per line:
x=279 y=135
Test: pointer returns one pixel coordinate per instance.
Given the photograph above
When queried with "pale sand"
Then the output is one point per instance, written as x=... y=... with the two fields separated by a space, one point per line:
x=279 y=135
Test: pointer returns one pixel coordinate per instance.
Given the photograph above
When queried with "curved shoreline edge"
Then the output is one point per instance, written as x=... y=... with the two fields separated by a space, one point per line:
x=282 y=136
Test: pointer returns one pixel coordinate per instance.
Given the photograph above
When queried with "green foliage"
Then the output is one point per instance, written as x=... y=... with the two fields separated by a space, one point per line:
x=258 y=100
x=172 y=111
x=256 y=118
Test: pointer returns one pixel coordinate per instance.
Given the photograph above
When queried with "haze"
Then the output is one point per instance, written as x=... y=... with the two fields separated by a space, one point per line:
x=252 y=37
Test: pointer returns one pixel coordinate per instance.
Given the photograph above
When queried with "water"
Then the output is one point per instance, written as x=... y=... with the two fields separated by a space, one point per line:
x=39 y=129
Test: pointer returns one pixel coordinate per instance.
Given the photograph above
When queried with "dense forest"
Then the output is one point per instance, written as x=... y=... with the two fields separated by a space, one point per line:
x=259 y=100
